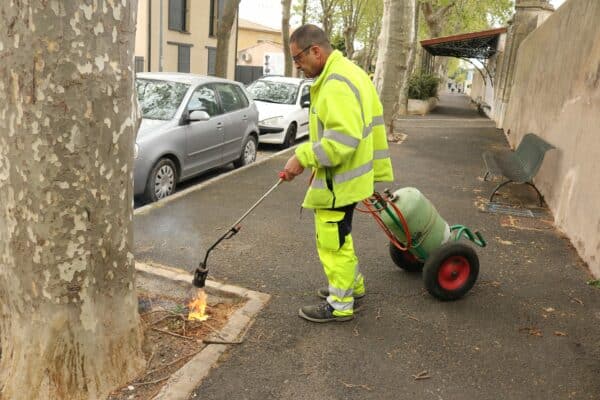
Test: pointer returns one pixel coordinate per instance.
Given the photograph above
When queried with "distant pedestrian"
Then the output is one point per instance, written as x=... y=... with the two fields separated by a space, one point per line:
x=347 y=153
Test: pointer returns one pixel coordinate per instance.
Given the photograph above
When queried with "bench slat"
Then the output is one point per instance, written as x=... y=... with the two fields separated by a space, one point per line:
x=519 y=166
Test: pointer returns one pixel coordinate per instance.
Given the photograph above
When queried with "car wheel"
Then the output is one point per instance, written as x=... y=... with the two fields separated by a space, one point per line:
x=162 y=180
x=290 y=136
x=248 y=152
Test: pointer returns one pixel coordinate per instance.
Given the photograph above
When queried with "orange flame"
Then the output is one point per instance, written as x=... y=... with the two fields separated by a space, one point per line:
x=198 y=307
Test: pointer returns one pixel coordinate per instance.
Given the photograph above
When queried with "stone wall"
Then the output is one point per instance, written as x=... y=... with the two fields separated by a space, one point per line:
x=529 y=14
x=556 y=94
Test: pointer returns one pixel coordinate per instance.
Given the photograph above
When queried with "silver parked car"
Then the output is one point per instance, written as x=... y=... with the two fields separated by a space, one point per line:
x=190 y=124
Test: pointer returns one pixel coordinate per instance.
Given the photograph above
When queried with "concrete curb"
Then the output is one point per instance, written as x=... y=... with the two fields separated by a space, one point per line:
x=149 y=207
x=183 y=382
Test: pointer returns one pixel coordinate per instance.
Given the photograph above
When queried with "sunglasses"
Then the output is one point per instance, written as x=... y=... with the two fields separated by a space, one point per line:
x=298 y=55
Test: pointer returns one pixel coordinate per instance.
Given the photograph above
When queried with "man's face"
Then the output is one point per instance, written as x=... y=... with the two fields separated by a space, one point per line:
x=307 y=59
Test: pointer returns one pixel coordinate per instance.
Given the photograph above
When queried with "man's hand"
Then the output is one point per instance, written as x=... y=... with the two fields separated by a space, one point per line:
x=292 y=168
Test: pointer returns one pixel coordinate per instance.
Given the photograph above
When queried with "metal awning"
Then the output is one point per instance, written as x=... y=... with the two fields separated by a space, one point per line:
x=480 y=45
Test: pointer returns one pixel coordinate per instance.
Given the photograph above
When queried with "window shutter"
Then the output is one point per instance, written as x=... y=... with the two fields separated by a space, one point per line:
x=183 y=62
x=177 y=15
x=212 y=61
x=139 y=64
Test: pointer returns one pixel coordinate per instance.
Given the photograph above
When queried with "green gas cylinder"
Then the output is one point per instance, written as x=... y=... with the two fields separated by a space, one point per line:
x=427 y=228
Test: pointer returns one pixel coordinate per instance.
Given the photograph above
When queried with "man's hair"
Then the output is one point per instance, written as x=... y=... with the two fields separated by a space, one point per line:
x=309 y=34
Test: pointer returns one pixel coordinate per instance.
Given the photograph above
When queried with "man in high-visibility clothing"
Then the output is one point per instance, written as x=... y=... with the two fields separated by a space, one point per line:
x=347 y=153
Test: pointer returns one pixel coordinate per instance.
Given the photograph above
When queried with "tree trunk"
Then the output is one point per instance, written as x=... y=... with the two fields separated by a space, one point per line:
x=328 y=8
x=403 y=97
x=349 y=33
x=372 y=24
x=434 y=18
x=224 y=28
x=304 y=6
x=391 y=71
x=352 y=13
x=68 y=308
x=286 y=5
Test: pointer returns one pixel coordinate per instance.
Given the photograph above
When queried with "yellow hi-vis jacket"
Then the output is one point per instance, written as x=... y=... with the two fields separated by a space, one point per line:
x=348 y=149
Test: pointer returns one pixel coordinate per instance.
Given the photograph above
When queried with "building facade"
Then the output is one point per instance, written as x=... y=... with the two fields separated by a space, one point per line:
x=180 y=36
x=251 y=34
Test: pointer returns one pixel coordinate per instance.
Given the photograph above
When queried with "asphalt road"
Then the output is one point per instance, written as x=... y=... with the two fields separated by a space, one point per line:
x=264 y=152
x=529 y=329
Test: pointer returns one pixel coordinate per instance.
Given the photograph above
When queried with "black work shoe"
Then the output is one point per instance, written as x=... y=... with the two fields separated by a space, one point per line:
x=324 y=292
x=322 y=313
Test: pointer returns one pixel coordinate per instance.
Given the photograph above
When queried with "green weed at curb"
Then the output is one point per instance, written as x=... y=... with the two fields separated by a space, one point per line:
x=179 y=309
x=595 y=283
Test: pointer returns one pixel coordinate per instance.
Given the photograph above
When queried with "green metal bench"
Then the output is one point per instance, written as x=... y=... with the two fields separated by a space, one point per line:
x=519 y=166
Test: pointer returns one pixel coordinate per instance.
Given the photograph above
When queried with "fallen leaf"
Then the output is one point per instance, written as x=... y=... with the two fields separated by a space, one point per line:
x=491 y=283
x=351 y=385
x=559 y=333
x=532 y=331
x=421 y=375
x=576 y=300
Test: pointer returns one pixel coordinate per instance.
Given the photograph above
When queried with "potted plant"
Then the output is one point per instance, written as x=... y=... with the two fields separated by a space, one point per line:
x=422 y=93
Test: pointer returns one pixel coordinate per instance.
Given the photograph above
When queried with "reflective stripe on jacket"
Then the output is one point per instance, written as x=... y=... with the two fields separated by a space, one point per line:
x=348 y=149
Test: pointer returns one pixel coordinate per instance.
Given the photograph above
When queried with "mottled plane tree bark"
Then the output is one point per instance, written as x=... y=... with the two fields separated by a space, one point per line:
x=69 y=324
x=392 y=70
x=224 y=28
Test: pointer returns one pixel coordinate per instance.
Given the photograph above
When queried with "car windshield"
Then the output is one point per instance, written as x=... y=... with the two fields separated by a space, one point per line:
x=159 y=99
x=273 y=92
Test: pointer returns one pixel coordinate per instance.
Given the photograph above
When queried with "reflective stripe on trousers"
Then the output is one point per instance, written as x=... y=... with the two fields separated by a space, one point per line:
x=336 y=252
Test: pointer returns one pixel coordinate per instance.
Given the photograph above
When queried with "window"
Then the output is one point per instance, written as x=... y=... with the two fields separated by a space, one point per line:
x=212 y=61
x=273 y=92
x=139 y=64
x=159 y=99
x=177 y=15
x=242 y=96
x=231 y=99
x=183 y=57
x=305 y=95
x=204 y=98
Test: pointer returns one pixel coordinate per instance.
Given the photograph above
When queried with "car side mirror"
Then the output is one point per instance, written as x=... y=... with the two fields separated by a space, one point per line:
x=198 y=115
x=306 y=104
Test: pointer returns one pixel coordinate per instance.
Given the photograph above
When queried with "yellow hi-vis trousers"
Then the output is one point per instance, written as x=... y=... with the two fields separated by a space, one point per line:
x=336 y=252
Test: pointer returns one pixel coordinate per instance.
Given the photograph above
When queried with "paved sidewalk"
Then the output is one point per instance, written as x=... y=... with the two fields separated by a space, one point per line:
x=529 y=329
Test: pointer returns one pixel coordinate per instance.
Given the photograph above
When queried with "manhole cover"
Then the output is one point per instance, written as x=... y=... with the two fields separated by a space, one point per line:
x=498 y=208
